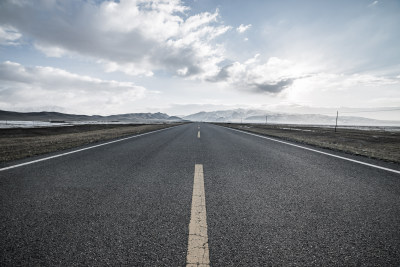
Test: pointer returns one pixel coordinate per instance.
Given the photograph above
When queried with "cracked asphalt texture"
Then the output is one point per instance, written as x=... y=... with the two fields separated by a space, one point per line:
x=268 y=204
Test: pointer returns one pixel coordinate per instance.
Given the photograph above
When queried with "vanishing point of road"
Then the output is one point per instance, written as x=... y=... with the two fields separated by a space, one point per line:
x=199 y=195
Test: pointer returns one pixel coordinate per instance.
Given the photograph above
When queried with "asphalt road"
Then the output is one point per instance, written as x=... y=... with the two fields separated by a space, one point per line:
x=267 y=204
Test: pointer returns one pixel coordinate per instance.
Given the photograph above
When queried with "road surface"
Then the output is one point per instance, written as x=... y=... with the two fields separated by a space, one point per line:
x=199 y=192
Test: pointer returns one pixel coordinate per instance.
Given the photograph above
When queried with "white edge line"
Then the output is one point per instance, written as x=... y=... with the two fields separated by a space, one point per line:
x=82 y=149
x=317 y=151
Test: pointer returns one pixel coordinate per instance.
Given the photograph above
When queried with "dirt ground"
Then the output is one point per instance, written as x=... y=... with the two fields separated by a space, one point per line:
x=18 y=143
x=378 y=144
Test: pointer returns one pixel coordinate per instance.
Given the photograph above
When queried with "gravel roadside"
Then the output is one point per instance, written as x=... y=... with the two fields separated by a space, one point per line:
x=382 y=145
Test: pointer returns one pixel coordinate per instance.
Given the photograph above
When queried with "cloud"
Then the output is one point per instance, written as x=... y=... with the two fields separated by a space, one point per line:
x=274 y=87
x=368 y=80
x=276 y=75
x=373 y=4
x=50 y=51
x=136 y=37
x=242 y=28
x=353 y=90
x=9 y=35
x=30 y=87
x=222 y=75
x=340 y=82
x=271 y=77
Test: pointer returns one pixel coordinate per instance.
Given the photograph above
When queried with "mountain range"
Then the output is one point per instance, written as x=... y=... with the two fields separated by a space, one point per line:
x=56 y=116
x=234 y=115
x=262 y=116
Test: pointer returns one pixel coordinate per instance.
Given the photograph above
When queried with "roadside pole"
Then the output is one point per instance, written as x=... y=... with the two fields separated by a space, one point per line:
x=337 y=115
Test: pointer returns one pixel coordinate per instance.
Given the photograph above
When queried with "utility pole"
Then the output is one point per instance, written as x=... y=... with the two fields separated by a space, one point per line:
x=266 y=119
x=337 y=115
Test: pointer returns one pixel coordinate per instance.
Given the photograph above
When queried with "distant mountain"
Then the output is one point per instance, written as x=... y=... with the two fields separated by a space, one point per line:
x=259 y=116
x=56 y=116
x=235 y=115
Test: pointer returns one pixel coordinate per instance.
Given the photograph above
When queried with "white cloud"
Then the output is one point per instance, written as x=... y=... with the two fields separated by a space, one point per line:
x=50 y=50
x=368 y=80
x=30 y=87
x=127 y=68
x=136 y=37
x=373 y=4
x=340 y=82
x=287 y=78
x=242 y=28
x=9 y=35
x=352 y=90
x=273 y=76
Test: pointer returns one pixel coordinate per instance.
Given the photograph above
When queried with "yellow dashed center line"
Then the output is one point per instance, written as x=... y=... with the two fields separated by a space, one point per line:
x=198 y=253
x=198 y=134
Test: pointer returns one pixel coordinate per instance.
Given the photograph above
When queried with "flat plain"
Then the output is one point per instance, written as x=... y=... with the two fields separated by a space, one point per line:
x=19 y=143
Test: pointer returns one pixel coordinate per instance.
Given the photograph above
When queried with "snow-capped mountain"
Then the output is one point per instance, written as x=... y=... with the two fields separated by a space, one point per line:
x=261 y=116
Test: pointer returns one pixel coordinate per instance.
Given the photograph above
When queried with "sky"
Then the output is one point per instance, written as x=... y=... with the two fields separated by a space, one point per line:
x=181 y=57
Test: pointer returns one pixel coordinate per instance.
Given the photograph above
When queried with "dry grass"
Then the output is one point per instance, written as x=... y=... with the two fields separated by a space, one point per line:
x=376 y=144
x=21 y=143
